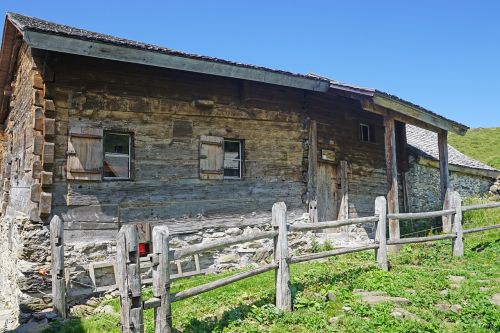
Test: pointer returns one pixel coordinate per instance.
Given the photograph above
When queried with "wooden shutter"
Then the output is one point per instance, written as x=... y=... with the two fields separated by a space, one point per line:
x=211 y=157
x=85 y=155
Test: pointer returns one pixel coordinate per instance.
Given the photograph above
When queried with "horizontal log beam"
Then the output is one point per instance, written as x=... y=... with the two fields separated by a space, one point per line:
x=420 y=239
x=478 y=229
x=481 y=206
x=325 y=254
x=220 y=243
x=331 y=224
x=423 y=215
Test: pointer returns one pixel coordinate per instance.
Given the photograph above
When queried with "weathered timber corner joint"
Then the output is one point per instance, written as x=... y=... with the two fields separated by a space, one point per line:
x=106 y=133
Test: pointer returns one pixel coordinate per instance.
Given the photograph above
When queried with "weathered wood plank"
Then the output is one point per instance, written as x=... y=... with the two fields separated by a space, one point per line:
x=281 y=257
x=331 y=224
x=411 y=240
x=481 y=206
x=45 y=204
x=161 y=279
x=392 y=177
x=444 y=178
x=381 y=233
x=58 y=279
x=312 y=161
x=478 y=229
x=325 y=254
x=422 y=215
x=458 y=242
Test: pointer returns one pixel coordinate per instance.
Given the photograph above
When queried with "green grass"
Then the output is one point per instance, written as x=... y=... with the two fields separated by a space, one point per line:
x=483 y=144
x=418 y=273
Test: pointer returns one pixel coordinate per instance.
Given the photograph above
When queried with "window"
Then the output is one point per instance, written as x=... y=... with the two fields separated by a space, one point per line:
x=117 y=155
x=232 y=159
x=220 y=158
x=367 y=134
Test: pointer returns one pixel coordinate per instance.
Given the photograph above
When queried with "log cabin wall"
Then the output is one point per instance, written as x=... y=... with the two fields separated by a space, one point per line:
x=167 y=111
x=338 y=122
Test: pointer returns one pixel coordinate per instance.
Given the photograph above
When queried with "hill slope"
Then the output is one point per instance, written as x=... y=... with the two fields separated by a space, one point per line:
x=482 y=144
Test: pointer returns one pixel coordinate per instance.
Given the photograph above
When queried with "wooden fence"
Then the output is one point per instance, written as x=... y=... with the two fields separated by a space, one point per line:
x=129 y=263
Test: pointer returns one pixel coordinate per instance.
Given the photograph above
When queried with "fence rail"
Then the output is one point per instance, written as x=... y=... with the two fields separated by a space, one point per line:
x=128 y=261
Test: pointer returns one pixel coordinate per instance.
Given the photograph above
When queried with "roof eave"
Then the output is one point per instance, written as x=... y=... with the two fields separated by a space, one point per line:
x=407 y=109
x=57 y=43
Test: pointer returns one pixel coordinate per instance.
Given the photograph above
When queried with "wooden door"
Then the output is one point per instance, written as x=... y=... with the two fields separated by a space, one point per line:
x=326 y=188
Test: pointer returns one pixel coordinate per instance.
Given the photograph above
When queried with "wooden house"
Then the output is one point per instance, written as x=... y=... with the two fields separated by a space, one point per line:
x=106 y=131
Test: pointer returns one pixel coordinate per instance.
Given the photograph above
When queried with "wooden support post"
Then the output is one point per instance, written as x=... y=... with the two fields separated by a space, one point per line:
x=313 y=211
x=312 y=169
x=129 y=279
x=342 y=176
x=458 y=242
x=392 y=177
x=161 y=279
x=444 y=178
x=381 y=233
x=58 y=281
x=282 y=258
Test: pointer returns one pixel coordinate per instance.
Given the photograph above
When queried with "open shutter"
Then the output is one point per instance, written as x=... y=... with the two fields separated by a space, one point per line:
x=85 y=153
x=211 y=157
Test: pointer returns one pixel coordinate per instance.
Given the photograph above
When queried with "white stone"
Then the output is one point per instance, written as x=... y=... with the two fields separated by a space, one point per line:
x=234 y=231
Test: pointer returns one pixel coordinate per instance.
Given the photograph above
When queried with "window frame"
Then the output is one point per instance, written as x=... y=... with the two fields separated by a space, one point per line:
x=371 y=133
x=240 y=160
x=130 y=146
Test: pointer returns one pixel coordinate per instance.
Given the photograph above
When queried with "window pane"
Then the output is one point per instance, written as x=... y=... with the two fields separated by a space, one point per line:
x=365 y=133
x=116 y=143
x=116 y=165
x=232 y=163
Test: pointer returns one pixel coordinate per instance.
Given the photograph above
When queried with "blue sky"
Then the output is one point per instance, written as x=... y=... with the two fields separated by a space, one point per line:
x=443 y=55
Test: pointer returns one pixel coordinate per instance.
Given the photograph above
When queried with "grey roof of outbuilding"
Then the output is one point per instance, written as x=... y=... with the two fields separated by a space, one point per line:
x=425 y=143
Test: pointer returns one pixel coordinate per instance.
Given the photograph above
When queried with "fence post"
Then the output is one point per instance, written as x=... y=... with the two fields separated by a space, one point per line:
x=129 y=279
x=381 y=233
x=281 y=257
x=447 y=219
x=161 y=279
x=458 y=242
x=57 y=271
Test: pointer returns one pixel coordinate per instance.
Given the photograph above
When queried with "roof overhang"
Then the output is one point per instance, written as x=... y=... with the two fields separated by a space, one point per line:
x=493 y=174
x=101 y=50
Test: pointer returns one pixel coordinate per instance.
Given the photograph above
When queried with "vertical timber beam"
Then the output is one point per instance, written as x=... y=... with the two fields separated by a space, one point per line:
x=458 y=243
x=381 y=233
x=161 y=279
x=312 y=157
x=282 y=258
x=58 y=281
x=129 y=280
x=444 y=178
x=392 y=177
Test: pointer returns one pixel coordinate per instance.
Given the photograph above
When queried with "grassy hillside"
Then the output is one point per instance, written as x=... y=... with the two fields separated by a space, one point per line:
x=325 y=299
x=482 y=144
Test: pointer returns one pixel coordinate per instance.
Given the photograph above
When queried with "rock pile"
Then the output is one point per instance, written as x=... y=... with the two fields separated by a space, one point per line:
x=495 y=188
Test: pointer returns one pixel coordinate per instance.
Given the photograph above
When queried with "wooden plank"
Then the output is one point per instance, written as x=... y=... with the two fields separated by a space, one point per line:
x=38 y=97
x=161 y=279
x=85 y=153
x=57 y=270
x=46 y=178
x=219 y=283
x=38 y=117
x=45 y=204
x=211 y=157
x=36 y=169
x=392 y=177
x=221 y=243
x=38 y=142
x=381 y=233
x=48 y=153
x=444 y=178
x=49 y=127
x=38 y=81
x=481 y=206
x=478 y=229
x=312 y=160
x=326 y=254
x=281 y=258
x=49 y=105
x=36 y=191
x=458 y=242
x=343 y=191
x=114 y=52
x=129 y=280
x=421 y=215
x=411 y=240
x=331 y=224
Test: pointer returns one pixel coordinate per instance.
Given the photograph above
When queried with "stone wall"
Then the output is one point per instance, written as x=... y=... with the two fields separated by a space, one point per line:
x=423 y=189
x=25 y=272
